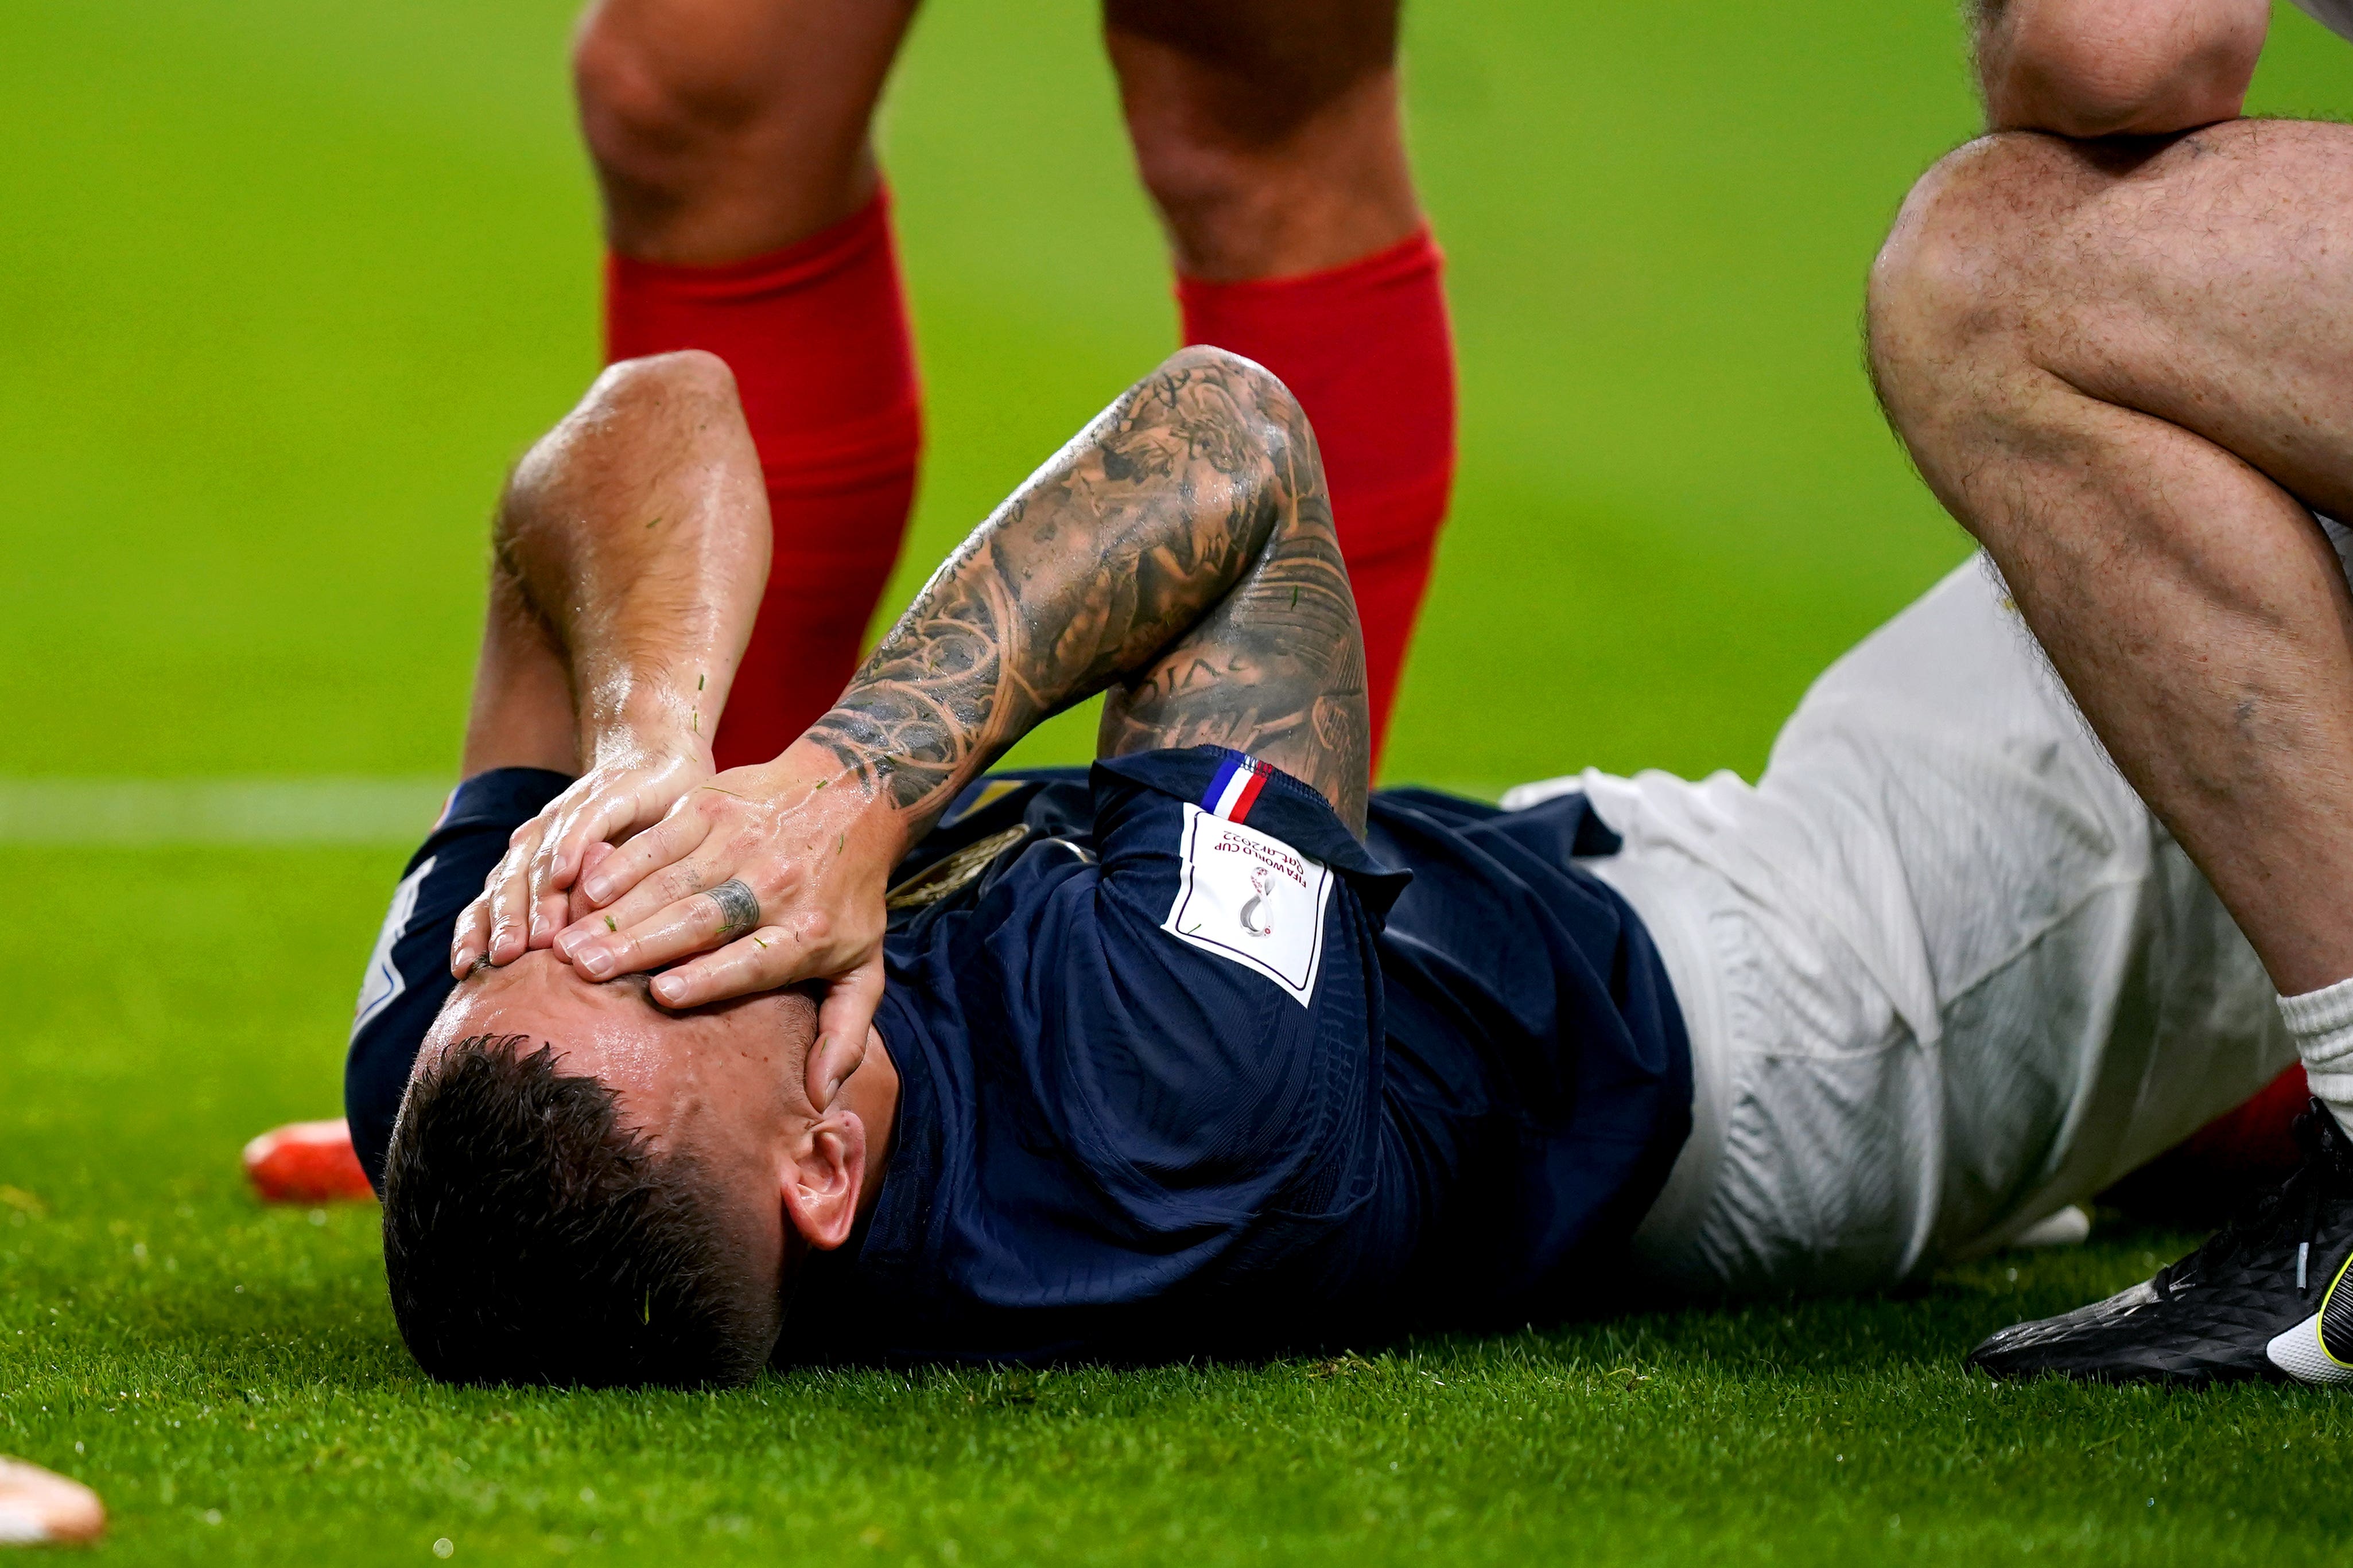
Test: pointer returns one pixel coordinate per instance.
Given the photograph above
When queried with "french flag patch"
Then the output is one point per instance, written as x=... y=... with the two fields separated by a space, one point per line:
x=1234 y=790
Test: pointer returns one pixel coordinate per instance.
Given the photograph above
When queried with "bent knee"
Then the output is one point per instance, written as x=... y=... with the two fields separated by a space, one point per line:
x=1963 y=246
x=2021 y=232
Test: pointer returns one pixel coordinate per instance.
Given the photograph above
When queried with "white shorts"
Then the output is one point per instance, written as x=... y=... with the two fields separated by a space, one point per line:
x=1944 y=974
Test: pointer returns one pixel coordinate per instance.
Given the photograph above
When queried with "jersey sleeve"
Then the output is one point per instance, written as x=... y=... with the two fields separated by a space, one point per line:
x=407 y=977
x=1174 y=1045
x=1210 y=1004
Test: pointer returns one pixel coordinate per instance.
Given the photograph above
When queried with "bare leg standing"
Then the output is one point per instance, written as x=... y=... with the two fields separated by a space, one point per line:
x=1271 y=137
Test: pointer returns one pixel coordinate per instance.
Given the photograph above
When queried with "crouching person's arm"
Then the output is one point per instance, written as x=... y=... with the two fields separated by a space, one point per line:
x=629 y=553
x=1180 y=550
x=2117 y=68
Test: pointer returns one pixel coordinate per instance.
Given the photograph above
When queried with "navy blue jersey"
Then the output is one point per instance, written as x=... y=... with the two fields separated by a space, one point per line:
x=1188 y=1068
x=407 y=977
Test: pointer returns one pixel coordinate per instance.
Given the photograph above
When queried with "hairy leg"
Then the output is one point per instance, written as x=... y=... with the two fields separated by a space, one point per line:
x=722 y=129
x=2129 y=374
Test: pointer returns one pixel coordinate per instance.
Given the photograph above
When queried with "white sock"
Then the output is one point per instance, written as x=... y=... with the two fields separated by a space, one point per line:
x=2321 y=1023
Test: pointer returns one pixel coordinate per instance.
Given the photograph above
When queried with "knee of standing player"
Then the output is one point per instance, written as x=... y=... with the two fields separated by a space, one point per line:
x=662 y=110
x=1215 y=192
x=1243 y=71
x=1228 y=107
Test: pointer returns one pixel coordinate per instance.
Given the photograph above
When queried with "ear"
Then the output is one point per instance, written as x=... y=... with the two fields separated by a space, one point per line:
x=823 y=1179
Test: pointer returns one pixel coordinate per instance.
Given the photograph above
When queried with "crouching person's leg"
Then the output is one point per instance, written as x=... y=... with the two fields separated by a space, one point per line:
x=2126 y=372
x=2132 y=379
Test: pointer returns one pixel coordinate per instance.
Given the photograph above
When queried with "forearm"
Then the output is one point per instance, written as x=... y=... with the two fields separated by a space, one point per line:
x=629 y=555
x=521 y=713
x=2106 y=67
x=638 y=537
x=1190 y=514
x=1180 y=549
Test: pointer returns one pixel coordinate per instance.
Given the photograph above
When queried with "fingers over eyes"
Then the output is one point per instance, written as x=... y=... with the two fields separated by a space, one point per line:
x=547 y=919
x=566 y=855
x=510 y=892
x=576 y=907
x=761 y=961
x=640 y=907
x=666 y=842
x=676 y=930
x=473 y=936
x=542 y=859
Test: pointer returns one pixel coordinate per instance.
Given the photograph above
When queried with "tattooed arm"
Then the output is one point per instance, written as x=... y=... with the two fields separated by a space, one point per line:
x=1179 y=552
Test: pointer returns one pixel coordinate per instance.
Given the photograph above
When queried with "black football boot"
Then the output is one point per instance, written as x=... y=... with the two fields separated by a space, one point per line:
x=2268 y=1297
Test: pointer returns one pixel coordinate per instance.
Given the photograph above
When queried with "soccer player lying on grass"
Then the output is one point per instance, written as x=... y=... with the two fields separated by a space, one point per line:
x=1171 y=1058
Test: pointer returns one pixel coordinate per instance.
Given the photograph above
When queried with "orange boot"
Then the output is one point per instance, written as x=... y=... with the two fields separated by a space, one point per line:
x=306 y=1162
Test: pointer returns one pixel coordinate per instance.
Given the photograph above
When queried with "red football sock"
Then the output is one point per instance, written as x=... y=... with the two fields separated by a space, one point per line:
x=1365 y=348
x=816 y=335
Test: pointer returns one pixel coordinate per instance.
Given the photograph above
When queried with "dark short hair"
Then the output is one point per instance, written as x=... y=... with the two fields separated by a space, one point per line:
x=529 y=1236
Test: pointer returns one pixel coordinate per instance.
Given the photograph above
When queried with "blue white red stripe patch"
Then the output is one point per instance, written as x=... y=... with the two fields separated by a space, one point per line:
x=1235 y=788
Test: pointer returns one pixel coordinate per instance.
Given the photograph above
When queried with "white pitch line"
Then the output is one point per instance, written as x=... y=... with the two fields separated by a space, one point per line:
x=161 y=812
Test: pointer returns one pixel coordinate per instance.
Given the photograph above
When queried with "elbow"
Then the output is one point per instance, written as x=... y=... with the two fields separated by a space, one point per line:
x=2128 y=71
x=1244 y=377
x=1263 y=414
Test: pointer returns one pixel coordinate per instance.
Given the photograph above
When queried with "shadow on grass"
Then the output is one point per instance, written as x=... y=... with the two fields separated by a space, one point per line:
x=1934 y=1324
x=269 y=1300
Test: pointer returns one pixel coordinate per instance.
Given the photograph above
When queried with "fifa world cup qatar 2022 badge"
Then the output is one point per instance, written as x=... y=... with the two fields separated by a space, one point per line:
x=1247 y=897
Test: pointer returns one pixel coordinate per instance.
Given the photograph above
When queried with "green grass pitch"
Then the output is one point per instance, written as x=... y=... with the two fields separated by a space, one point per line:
x=285 y=284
